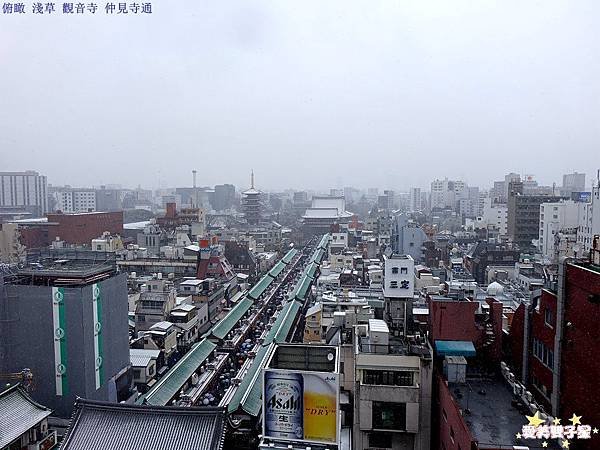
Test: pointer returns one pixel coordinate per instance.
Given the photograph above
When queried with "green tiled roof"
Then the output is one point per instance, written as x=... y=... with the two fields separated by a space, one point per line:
x=289 y=256
x=317 y=256
x=226 y=324
x=287 y=322
x=311 y=270
x=259 y=288
x=277 y=324
x=169 y=385
x=277 y=269
x=248 y=394
x=302 y=288
x=324 y=241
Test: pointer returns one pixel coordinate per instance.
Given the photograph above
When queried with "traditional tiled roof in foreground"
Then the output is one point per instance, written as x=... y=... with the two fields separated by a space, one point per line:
x=110 y=426
x=18 y=413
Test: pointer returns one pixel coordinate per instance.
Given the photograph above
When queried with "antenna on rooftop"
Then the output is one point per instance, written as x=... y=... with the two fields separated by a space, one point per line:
x=195 y=190
x=252 y=179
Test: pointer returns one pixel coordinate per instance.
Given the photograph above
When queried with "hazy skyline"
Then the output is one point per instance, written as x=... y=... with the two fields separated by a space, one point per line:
x=311 y=95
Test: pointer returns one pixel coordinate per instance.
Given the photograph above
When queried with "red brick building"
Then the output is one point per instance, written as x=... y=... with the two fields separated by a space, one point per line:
x=476 y=411
x=81 y=228
x=77 y=228
x=554 y=342
x=579 y=362
x=461 y=320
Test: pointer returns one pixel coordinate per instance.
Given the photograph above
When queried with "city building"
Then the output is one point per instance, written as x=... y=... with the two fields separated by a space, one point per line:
x=145 y=364
x=224 y=197
x=398 y=290
x=572 y=182
x=64 y=316
x=23 y=192
x=446 y=194
x=553 y=341
x=73 y=200
x=523 y=220
x=108 y=199
x=11 y=248
x=415 y=200
x=407 y=237
x=559 y=222
x=495 y=215
x=157 y=299
x=483 y=255
x=81 y=228
x=589 y=224
x=392 y=389
x=323 y=213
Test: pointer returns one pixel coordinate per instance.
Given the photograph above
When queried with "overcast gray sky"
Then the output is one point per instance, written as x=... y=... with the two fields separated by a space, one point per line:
x=311 y=94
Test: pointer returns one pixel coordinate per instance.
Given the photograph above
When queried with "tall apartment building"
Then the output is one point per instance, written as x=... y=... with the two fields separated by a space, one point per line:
x=64 y=317
x=447 y=193
x=573 y=182
x=523 y=222
x=69 y=200
x=224 y=197
x=415 y=199
x=589 y=223
x=558 y=221
x=23 y=191
x=495 y=215
x=407 y=237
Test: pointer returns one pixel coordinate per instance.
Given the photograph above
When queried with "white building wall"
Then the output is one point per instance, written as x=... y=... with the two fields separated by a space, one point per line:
x=415 y=199
x=399 y=277
x=496 y=215
x=589 y=221
x=555 y=217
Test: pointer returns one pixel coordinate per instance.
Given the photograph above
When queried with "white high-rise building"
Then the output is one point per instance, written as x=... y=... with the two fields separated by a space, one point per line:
x=448 y=194
x=415 y=199
x=589 y=222
x=558 y=222
x=496 y=215
x=70 y=200
x=23 y=191
x=574 y=182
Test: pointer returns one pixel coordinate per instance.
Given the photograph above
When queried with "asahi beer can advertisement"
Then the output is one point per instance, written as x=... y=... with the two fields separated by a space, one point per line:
x=301 y=406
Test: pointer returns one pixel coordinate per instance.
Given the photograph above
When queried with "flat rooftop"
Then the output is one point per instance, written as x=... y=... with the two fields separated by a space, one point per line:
x=488 y=411
x=64 y=267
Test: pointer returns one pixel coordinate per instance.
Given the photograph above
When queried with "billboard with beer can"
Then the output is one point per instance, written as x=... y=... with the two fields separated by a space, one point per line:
x=301 y=406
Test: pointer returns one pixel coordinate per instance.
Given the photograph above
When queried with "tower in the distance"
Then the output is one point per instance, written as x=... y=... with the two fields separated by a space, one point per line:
x=251 y=203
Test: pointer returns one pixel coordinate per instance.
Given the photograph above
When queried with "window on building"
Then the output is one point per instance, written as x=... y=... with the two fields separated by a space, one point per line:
x=549 y=317
x=543 y=353
x=452 y=434
x=380 y=440
x=389 y=377
x=389 y=416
